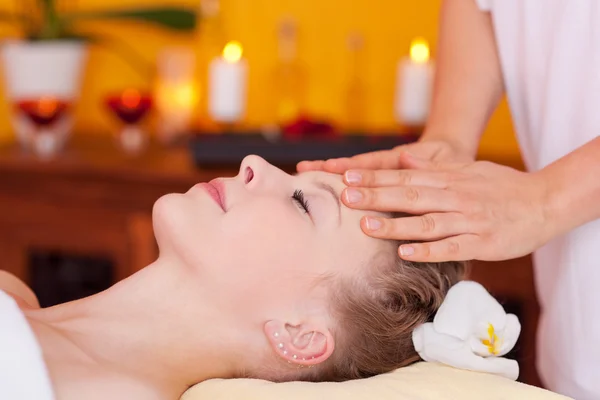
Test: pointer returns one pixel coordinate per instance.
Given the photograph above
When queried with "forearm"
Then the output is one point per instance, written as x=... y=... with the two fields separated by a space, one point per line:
x=573 y=188
x=468 y=83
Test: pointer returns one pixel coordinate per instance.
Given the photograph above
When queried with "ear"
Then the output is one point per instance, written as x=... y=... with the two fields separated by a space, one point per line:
x=305 y=344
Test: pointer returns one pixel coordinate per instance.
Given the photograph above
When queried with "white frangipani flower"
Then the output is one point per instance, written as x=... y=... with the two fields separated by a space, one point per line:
x=470 y=331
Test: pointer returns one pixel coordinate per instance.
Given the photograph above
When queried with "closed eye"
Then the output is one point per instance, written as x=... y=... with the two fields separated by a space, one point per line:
x=298 y=197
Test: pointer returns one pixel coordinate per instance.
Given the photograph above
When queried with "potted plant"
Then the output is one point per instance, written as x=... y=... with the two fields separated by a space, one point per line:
x=48 y=58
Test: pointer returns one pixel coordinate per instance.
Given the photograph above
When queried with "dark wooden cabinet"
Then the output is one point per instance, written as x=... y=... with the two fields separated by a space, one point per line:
x=89 y=200
x=94 y=201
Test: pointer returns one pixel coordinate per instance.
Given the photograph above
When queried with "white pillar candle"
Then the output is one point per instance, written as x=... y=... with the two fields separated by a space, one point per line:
x=414 y=84
x=227 y=83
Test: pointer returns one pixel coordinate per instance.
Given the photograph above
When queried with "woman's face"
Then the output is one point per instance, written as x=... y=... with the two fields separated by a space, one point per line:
x=276 y=236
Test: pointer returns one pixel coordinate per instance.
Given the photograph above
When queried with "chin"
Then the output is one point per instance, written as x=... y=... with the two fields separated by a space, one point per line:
x=179 y=223
x=164 y=219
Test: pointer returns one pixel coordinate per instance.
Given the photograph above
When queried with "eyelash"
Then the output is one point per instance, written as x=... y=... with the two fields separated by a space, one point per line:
x=298 y=197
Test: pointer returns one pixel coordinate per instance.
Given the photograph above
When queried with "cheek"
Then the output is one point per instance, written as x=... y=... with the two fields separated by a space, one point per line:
x=258 y=221
x=266 y=235
x=263 y=258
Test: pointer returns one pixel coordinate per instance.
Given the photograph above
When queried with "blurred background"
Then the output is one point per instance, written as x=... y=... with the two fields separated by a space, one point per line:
x=324 y=29
x=106 y=105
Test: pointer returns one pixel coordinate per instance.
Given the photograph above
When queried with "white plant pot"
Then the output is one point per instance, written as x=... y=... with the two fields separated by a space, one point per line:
x=37 y=70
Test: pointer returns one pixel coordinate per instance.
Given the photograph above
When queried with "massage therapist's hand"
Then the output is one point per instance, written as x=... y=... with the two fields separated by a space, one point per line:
x=462 y=211
x=434 y=150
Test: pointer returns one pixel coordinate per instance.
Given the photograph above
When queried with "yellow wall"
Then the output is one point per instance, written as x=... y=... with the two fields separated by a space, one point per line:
x=388 y=27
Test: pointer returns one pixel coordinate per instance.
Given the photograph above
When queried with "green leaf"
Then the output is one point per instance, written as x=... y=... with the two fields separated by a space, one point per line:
x=167 y=17
x=138 y=63
x=59 y=36
x=48 y=6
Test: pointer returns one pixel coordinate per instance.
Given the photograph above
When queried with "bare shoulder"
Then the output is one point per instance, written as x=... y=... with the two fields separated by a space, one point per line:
x=17 y=289
x=76 y=381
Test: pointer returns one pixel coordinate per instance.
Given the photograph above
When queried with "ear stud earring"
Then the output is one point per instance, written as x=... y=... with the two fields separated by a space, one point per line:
x=300 y=366
x=280 y=346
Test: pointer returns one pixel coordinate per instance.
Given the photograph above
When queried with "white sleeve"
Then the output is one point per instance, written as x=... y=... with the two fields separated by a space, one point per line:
x=484 y=5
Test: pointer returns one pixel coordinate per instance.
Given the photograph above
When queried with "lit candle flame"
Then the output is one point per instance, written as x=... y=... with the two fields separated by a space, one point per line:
x=419 y=51
x=47 y=106
x=131 y=98
x=232 y=52
x=179 y=97
x=185 y=95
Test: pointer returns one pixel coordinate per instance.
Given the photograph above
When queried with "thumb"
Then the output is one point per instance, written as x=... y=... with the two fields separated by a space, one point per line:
x=408 y=160
x=383 y=159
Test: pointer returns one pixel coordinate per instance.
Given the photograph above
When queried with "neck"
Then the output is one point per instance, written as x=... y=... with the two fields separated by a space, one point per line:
x=156 y=325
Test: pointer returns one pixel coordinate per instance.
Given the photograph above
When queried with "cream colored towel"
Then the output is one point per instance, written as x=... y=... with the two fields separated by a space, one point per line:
x=422 y=381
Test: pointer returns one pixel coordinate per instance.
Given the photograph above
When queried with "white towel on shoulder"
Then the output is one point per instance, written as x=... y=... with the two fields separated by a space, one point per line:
x=23 y=373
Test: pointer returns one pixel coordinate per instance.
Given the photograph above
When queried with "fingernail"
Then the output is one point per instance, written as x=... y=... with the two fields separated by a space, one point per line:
x=407 y=251
x=353 y=196
x=353 y=177
x=373 y=224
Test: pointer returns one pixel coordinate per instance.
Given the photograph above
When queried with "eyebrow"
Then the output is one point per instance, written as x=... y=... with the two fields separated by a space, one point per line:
x=331 y=190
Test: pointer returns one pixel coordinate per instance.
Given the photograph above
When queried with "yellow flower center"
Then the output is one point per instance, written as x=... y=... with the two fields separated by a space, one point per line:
x=493 y=343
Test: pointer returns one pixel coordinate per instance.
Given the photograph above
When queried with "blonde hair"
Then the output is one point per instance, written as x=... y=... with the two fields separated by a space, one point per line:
x=376 y=313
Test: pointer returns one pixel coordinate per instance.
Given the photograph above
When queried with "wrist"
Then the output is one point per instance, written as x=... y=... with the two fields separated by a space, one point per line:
x=455 y=129
x=572 y=188
x=552 y=205
x=457 y=142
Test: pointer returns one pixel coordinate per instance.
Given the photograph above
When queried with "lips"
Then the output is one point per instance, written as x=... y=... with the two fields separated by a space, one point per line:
x=216 y=190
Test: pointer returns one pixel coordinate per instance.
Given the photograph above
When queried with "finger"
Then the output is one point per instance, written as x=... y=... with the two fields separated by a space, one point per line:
x=397 y=177
x=456 y=248
x=427 y=227
x=408 y=199
x=410 y=161
x=383 y=159
x=304 y=166
x=363 y=161
x=336 y=165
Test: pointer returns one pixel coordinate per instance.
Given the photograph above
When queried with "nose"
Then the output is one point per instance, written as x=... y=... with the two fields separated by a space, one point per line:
x=256 y=171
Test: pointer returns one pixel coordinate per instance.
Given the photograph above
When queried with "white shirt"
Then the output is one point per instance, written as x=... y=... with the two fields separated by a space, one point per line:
x=550 y=56
x=23 y=373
